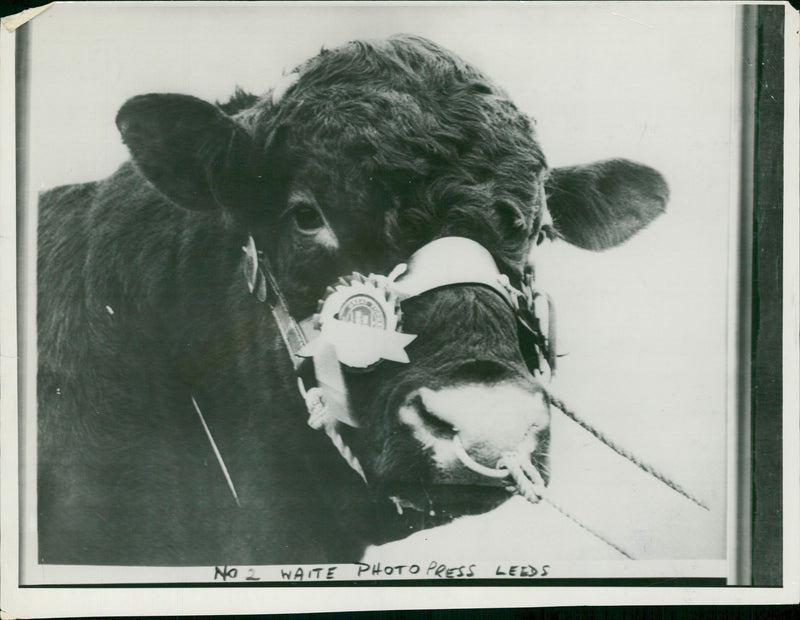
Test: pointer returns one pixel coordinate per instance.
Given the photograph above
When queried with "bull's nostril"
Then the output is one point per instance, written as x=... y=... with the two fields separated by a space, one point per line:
x=480 y=371
x=434 y=424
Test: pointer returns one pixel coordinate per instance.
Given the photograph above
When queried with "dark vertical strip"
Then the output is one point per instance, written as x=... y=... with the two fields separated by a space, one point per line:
x=24 y=270
x=767 y=533
x=747 y=50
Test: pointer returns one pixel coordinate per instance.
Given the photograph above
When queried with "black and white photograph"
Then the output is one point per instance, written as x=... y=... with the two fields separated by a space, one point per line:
x=336 y=305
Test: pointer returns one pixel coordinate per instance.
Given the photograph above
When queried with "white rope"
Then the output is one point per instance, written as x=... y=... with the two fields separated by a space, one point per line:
x=529 y=483
x=527 y=478
x=319 y=418
x=216 y=452
x=645 y=467
x=593 y=532
x=531 y=486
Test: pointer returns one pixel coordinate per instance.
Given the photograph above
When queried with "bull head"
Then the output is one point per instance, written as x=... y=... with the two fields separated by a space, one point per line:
x=367 y=154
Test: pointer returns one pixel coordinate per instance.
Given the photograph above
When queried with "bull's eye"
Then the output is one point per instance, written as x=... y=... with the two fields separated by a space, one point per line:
x=307 y=218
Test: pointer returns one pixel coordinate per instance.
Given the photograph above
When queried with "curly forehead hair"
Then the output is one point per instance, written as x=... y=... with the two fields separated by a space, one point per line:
x=410 y=120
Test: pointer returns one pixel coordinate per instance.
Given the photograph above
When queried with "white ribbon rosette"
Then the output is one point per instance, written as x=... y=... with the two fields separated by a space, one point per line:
x=359 y=318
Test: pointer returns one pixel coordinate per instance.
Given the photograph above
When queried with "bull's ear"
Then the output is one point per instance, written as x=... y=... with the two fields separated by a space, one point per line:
x=600 y=205
x=192 y=152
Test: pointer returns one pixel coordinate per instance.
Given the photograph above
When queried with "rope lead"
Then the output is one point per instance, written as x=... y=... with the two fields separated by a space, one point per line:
x=319 y=418
x=649 y=469
x=531 y=486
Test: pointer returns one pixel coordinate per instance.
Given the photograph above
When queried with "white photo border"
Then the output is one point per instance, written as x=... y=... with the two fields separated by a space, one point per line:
x=172 y=599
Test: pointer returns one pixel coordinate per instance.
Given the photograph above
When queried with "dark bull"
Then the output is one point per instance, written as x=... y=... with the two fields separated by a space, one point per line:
x=171 y=428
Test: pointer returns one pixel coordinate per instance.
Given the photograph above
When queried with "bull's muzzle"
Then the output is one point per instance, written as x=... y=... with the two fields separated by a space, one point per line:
x=487 y=422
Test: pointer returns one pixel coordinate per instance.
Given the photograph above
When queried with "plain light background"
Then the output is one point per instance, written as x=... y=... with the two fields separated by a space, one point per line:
x=643 y=327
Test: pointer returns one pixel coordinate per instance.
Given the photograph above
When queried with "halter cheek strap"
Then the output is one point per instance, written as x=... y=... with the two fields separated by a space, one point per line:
x=327 y=403
x=261 y=283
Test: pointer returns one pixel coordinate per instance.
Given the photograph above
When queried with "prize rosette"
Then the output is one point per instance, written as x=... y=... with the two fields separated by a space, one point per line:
x=360 y=317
